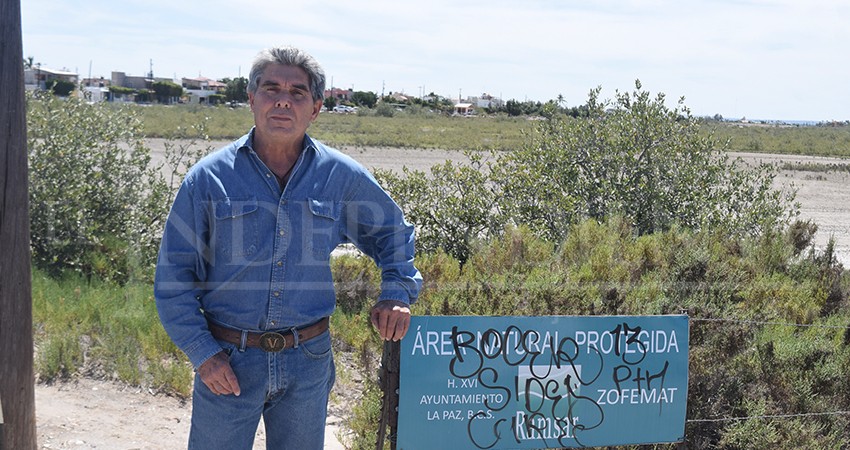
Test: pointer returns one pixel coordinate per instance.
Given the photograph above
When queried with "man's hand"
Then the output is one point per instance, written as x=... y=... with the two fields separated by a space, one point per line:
x=217 y=374
x=391 y=318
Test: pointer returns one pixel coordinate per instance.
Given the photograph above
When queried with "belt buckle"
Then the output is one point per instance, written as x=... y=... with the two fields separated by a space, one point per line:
x=272 y=342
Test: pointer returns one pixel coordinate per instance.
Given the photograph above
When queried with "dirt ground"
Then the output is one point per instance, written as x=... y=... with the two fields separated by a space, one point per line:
x=89 y=414
x=92 y=414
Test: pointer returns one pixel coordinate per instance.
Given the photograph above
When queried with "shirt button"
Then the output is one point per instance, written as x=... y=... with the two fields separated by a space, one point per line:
x=276 y=294
x=280 y=263
x=280 y=232
x=268 y=175
x=273 y=323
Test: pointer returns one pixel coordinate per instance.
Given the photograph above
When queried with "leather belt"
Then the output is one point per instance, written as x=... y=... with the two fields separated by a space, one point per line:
x=270 y=341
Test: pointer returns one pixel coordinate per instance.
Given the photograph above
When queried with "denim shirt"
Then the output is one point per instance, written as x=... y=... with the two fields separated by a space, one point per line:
x=240 y=251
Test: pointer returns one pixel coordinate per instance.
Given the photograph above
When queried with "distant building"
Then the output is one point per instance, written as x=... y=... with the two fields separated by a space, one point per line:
x=203 y=84
x=399 y=97
x=96 y=82
x=134 y=82
x=486 y=101
x=96 y=89
x=201 y=88
x=464 y=109
x=339 y=94
x=96 y=94
x=37 y=77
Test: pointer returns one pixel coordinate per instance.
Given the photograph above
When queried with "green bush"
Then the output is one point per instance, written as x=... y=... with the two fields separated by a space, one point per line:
x=167 y=92
x=61 y=88
x=96 y=201
x=635 y=158
x=632 y=158
x=216 y=99
x=384 y=110
x=451 y=208
x=357 y=282
x=743 y=294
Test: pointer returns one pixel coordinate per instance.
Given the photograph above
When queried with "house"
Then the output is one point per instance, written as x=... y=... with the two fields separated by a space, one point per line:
x=36 y=77
x=464 y=109
x=399 y=97
x=96 y=82
x=203 y=84
x=339 y=94
x=487 y=101
x=201 y=88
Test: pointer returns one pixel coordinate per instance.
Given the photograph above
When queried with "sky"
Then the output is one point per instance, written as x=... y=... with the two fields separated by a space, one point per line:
x=759 y=59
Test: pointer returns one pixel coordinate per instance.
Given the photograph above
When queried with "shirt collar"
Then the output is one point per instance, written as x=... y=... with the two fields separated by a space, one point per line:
x=247 y=142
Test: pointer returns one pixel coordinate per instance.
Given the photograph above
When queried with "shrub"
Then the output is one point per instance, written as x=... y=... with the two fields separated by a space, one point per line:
x=96 y=201
x=384 y=110
x=451 y=208
x=635 y=158
x=61 y=88
x=357 y=282
x=632 y=158
x=166 y=92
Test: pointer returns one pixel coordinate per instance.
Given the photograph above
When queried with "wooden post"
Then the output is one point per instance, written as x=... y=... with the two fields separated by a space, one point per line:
x=17 y=389
x=389 y=378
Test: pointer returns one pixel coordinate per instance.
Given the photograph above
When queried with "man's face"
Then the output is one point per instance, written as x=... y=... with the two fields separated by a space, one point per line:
x=283 y=106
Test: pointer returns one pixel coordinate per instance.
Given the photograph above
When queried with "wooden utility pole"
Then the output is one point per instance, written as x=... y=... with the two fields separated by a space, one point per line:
x=17 y=390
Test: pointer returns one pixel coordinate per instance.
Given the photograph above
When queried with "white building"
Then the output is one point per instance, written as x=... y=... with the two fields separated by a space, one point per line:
x=37 y=76
x=201 y=88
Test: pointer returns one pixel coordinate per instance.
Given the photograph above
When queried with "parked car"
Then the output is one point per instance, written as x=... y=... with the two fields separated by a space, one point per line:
x=344 y=109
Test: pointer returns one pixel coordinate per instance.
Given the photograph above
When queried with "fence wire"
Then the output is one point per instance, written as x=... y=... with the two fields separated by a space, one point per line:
x=757 y=322
x=769 y=416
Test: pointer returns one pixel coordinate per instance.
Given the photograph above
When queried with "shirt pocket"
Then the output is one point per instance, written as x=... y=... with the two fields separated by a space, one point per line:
x=322 y=227
x=236 y=231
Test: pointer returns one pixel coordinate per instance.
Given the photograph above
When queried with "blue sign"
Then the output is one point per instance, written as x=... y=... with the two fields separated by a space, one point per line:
x=542 y=382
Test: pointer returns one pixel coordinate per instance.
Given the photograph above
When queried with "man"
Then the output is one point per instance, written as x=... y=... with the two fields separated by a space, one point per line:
x=243 y=282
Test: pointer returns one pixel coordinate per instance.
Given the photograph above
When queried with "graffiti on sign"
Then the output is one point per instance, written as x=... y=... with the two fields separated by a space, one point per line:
x=542 y=382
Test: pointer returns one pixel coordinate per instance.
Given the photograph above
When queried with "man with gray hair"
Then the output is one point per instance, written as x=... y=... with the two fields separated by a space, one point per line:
x=243 y=281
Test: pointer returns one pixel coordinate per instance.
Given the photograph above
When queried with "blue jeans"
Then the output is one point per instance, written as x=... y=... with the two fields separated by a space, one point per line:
x=289 y=389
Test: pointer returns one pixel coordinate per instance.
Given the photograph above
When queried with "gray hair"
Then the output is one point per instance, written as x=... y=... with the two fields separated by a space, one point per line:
x=289 y=56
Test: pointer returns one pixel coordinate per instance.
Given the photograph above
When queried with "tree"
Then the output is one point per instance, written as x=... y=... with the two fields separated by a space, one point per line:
x=144 y=96
x=121 y=91
x=216 y=99
x=167 y=91
x=236 y=90
x=513 y=107
x=364 y=98
x=329 y=103
x=61 y=88
x=17 y=389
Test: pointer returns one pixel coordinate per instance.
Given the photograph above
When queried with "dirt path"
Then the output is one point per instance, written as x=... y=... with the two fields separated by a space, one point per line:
x=90 y=414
